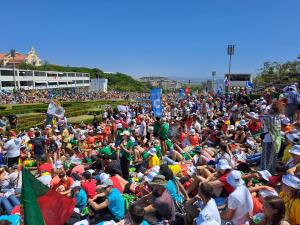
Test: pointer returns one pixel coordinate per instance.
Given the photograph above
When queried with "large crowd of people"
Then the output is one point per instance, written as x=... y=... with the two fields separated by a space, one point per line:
x=211 y=159
x=66 y=95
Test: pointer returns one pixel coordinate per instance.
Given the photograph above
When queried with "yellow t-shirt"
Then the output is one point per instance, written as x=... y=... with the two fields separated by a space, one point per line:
x=286 y=155
x=292 y=209
x=154 y=161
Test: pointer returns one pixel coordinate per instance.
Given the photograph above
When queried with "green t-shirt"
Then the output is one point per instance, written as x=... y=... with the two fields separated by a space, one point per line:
x=130 y=144
x=145 y=155
x=158 y=151
x=119 y=136
x=164 y=131
x=106 y=151
x=156 y=127
x=169 y=144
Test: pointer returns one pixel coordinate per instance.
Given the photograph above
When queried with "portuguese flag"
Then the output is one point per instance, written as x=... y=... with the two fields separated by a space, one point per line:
x=41 y=205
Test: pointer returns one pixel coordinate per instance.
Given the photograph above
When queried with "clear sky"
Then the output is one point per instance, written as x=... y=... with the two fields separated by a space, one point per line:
x=176 y=38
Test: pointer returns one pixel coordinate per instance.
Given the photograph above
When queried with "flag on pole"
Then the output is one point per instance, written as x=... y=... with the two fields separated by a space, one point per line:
x=226 y=82
x=43 y=206
x=181 y=92
x=55 y=109
x=155 y=96
x=249 y=84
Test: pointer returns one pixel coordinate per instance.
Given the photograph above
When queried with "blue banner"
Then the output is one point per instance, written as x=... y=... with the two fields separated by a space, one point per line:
x=155 y=96
x=181 y=93
x=249 y=84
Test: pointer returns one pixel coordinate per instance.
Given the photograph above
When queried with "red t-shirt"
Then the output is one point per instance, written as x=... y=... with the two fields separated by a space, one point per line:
x=117 y=184
x=90 y=187
x=227 y=186
x=45 y=167
x=194 y=140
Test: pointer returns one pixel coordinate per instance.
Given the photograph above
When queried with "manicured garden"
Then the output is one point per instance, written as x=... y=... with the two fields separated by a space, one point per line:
x=33 y=115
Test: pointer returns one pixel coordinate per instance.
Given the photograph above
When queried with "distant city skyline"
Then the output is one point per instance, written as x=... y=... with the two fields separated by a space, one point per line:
x=173 y=38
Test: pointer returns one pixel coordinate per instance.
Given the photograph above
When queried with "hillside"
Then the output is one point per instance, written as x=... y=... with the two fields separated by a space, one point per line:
x=116 y=81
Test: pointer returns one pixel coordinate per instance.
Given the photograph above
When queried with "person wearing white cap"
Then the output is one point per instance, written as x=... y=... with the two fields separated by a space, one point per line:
x=143 y=128
x=217 y=180
x=292 y=103
x=153 y=159
x=290 y=194
x=293 y=163
x=193 y=138
x=240 y=204
x=126 y=153
x=290 y=140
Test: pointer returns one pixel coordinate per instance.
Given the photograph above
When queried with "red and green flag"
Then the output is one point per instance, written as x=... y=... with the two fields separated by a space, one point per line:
x=41 y=205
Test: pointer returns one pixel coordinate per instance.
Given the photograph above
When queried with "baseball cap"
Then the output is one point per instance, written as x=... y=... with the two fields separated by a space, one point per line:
x=103 y=177
x=192 y=132
x=106 y=183
x=75 y=184
x=285 y=121
x=152 y=151
x=58 y=164
x=235 y=178
x=223 y=165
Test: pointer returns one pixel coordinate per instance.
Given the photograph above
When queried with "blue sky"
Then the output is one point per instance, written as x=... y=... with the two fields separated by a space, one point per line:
x=174 y=38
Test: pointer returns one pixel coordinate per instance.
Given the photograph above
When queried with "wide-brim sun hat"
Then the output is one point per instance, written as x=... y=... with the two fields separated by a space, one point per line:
x=295 y=150
x=125 y=133
x=158 y=180
x=292 y=137
x=235 y=178
x=265 y=174
x=223 y=165
x=291 y=181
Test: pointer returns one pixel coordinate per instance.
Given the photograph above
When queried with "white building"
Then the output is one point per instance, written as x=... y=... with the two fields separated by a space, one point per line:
x=33 y=79
x=98 y=85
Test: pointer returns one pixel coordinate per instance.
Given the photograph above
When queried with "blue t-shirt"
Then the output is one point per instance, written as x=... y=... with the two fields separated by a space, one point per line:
x=144 y=223
x=81 y=199
x=172 y=189
x=116 y=204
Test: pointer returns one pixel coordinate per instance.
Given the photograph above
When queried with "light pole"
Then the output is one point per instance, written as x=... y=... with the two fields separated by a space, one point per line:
x=230 y=52
x=213 y=80
x=13 y=55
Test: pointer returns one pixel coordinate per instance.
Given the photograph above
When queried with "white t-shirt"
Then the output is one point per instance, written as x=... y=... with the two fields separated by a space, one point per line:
x=241 y=201
x=209 y=213
x=46 y=179
x=12 y=148
x=197 y=126
x=142 y=130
